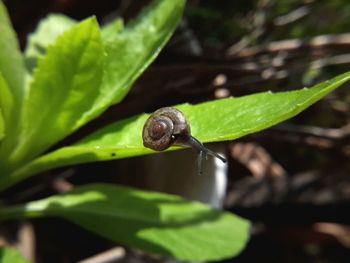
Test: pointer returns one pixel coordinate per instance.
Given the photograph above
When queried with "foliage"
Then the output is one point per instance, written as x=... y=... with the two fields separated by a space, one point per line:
x=241 y=116
x=155 y=222
x=11 y=255
x=69 y=74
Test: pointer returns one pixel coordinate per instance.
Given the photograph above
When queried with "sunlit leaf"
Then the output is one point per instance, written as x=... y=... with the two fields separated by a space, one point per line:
x=11 y=61
x=110 y=30
x=129 y=52
x=2 y=126
x=154 y=222
x=6 y=100
x=220 y=120
x=67 y=90
x=46 y=34
x=65 y=86
x=11 y=255
x=12 y=82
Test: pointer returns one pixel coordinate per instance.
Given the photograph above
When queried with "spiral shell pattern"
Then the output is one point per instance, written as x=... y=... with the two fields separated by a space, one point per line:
x=164 y=128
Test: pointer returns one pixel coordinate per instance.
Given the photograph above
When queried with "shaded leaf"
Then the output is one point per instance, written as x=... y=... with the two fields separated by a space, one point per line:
x=155 y=222
x=219 y=120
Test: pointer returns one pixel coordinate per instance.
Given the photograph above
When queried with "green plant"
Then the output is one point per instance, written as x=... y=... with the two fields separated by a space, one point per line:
x=11 y=255
x=68 y=77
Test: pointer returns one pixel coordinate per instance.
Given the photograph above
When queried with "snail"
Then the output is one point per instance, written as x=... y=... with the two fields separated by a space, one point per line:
x=168 y=126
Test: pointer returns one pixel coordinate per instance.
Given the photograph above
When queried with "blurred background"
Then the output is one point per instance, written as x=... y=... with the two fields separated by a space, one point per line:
x=292 y=180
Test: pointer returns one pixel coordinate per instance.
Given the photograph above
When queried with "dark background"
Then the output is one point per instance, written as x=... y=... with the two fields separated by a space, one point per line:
x=291 y=180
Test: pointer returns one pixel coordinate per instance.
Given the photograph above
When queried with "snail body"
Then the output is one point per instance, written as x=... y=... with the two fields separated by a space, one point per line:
x=168 y=126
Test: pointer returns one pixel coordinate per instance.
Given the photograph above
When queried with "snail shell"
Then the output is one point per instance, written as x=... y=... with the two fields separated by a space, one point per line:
x=164 y=128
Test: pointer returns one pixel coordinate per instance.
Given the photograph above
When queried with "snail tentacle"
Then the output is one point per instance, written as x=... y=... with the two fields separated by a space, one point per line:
x=197 y=145
x=200 y=163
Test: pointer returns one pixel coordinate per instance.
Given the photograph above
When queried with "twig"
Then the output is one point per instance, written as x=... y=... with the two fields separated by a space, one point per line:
x=113 y=255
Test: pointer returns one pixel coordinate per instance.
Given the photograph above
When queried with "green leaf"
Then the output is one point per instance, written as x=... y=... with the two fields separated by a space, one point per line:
x=65 y=86
x=10 y=255
x=6 y=103
x=46 y=34
x=219 y=120
x=11 y=61
x=12 y=73
x=53 y=26
x=2 y=126
x=130 y=52
x=155 y=222
x=6 y=100
x=110 y=30
x=126 y=55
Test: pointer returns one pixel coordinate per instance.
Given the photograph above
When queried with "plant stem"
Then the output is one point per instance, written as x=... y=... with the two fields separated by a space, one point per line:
x=17 y=212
